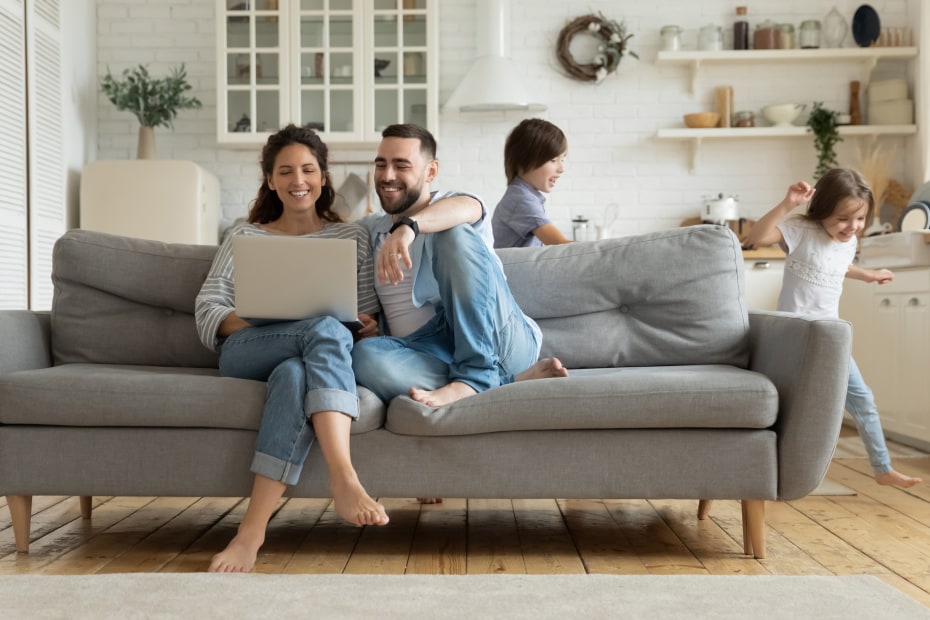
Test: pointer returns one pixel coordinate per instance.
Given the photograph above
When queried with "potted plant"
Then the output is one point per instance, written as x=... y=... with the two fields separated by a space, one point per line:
x=822 y=123
x=154 y=101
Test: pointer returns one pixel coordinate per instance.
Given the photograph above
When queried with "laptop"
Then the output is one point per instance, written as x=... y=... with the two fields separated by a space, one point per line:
x=278 y=278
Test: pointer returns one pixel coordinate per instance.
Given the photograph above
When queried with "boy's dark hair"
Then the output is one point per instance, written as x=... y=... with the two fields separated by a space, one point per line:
x=530 y=144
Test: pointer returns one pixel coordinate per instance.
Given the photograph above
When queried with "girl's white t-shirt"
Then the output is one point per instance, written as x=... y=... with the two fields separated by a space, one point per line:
x=815 y=267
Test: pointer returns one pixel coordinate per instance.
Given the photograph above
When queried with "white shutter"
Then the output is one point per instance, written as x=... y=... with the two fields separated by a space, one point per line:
x=14 y=279
x=47 y=173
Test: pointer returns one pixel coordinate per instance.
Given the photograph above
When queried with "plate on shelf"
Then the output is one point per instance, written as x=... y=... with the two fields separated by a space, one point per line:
x=866 y=26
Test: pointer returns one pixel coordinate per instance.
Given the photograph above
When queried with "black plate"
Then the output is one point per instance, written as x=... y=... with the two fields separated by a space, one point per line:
x=866 y=26
x=917 y=216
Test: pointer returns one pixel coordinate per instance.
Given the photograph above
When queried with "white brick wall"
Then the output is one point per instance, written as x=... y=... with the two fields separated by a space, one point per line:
x=616 y=169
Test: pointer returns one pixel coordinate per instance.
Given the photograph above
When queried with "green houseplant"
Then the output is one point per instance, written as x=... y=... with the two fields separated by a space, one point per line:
x=822 y=123
x=154 y=101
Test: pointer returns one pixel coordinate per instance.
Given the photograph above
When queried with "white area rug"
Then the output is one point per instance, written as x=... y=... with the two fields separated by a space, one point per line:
x=830 y=487
x=199 y=595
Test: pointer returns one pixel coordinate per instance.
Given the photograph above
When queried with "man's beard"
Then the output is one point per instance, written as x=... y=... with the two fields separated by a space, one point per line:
x=413 y=196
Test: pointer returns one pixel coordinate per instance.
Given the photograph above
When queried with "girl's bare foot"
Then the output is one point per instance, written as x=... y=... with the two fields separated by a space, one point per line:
x=353 y=504
x=443 y=396
x=240 y=554
x=546 y=368
x=897 y=479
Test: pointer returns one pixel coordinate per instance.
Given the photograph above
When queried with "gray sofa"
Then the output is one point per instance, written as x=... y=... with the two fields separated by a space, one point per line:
x=676 y=391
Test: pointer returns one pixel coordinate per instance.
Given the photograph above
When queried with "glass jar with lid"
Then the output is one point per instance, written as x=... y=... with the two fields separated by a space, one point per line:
x=810 y=34
x=744 y=118
x=671 y=38
x=786 y=36
x=710 y=37
x=765 y=36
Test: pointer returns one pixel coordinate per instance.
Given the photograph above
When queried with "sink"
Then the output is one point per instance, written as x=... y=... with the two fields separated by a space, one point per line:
x=901 y=249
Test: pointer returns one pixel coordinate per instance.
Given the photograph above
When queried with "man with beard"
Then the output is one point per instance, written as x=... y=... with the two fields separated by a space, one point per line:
x=453 y=327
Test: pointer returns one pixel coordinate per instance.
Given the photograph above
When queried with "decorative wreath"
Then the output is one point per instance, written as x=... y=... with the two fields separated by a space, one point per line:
x=612 y=45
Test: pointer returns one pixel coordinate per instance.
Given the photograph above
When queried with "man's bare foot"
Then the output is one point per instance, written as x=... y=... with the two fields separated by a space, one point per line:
x=429 y=500
x=443 y=396
x=897 y=479
x=546 y=368
x=353 y=504
x=239 y=555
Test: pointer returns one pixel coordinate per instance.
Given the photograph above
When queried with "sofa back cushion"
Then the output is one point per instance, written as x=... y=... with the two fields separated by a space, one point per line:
x=119 y=300
x=659 y=299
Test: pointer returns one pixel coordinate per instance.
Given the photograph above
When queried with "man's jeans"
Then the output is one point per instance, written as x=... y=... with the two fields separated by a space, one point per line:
x=479 y=336
x=308 y=367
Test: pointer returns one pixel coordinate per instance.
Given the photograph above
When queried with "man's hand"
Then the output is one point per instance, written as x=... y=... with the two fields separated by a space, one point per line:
x=395 y=255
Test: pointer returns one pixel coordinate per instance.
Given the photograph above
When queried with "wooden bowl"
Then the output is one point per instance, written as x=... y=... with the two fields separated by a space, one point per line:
x=701 y=119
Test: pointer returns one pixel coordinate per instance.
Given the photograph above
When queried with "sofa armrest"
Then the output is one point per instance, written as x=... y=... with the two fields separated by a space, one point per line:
x=808 y=361
x=27 y=340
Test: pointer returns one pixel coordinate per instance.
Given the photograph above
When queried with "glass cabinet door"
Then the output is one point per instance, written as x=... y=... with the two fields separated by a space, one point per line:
x=330 y=49
x=400 y=31
x=347 y=68
x=252 y=100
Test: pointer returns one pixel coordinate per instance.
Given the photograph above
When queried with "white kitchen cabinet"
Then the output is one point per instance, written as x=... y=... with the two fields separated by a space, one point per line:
x=763 y=282
x=891 y=345
x=346 y=67
x=866 y=57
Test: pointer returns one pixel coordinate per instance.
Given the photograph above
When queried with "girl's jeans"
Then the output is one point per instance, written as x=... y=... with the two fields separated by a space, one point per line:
x=308 y=367
x=861 y=406
x=478 y=336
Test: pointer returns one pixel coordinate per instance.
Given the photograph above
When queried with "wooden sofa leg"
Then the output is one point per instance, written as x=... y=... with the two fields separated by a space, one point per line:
x=21 y=512
x=704 y=508
x=754 y=527
x=87 y=505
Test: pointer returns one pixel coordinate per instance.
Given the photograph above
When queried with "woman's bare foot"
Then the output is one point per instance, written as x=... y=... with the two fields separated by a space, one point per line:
x=429 y=500
x=546 y=368
x=443 y=396
x=240 y=554
x=897 y=479
x=353 y=504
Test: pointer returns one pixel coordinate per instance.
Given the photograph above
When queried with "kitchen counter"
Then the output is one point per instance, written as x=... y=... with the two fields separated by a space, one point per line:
x=772 y=252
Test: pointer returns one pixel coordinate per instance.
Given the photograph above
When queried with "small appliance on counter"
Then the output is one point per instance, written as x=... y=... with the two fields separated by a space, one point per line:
x=718 y=209
x=900 y=249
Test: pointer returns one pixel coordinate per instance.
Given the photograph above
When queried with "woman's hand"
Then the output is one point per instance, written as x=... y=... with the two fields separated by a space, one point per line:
x=369 y=326
x=231 y=324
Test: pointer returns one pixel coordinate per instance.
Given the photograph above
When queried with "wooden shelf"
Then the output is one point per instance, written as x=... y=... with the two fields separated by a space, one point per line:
x=696 y=136
x=867 y=56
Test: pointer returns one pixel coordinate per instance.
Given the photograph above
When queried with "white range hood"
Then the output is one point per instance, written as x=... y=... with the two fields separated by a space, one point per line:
x=493 y=82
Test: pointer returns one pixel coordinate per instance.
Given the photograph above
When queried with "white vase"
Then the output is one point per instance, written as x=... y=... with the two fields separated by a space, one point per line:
x=835 y=28
x=146 y=149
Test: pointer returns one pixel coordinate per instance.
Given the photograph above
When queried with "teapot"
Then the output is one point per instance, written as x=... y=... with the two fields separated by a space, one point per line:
x=718 y=209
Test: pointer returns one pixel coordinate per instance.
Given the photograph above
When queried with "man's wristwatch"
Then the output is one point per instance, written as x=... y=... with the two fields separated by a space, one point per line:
x=406 y=221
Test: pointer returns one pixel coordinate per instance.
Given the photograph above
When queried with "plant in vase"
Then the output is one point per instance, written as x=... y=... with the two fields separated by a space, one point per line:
x=822 y=123
x=154 y=101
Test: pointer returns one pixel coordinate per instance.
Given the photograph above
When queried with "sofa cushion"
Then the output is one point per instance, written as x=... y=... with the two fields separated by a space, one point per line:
x=715 y=396
x=132 y=395
x=119 y=300
x=667 y=298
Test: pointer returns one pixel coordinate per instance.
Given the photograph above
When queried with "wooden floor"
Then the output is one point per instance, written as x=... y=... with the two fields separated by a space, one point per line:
x=878 y=531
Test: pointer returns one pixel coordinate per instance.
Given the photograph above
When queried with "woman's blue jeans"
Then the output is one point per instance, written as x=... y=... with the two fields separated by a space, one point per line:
x=478 y=336
x=308 y=367
x=861 y=406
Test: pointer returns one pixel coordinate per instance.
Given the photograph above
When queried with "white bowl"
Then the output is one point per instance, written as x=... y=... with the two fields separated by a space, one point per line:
x=782 y=114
